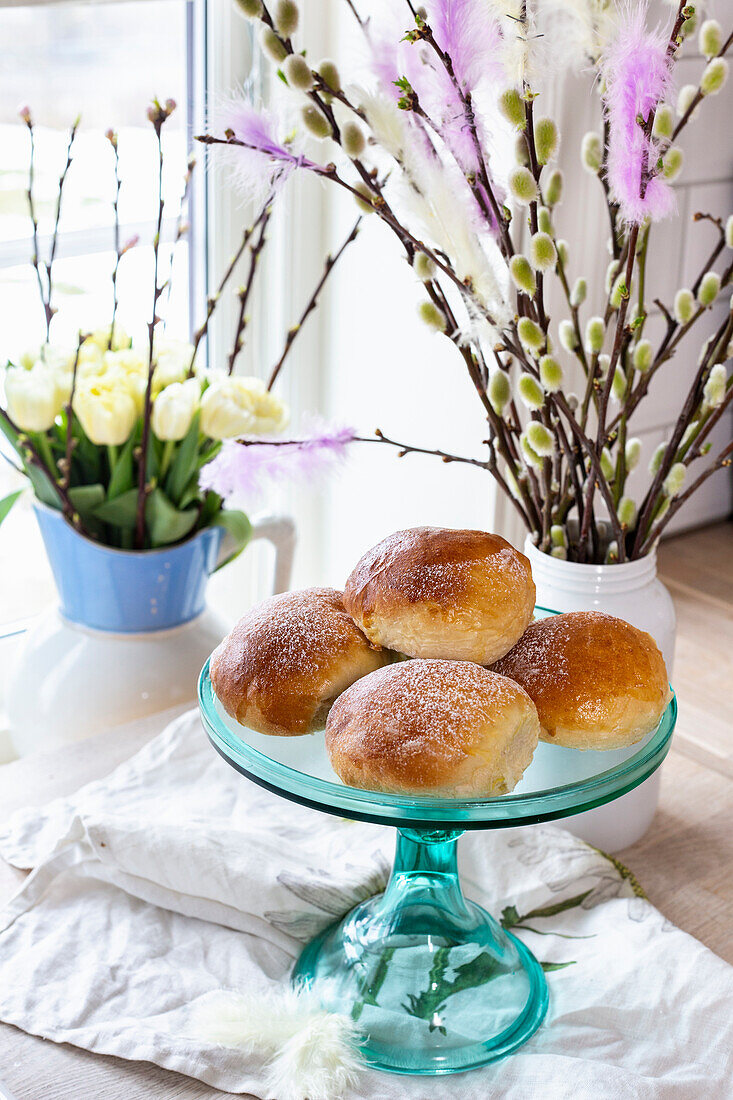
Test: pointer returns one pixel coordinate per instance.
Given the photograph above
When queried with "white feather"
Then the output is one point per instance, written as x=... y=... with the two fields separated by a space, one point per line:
x=319 y=1062
x=387 y=122
x=311 y=1054
x=578 y=30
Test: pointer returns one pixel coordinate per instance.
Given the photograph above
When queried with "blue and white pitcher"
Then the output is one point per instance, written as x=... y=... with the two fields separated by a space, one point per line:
x=130 y=634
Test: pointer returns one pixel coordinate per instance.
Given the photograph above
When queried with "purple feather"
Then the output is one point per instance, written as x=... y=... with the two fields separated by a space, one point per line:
x=262 y=161
x=468 y=33
x=637 y=72
x=244 y=475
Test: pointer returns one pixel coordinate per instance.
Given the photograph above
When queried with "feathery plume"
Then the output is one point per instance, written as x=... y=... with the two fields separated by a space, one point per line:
x=243 y=473
x=636 y=69
x=467 y=31
x=261 y=161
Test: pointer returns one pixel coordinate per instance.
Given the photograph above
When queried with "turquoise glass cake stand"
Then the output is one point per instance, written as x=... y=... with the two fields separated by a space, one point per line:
x=433 y=981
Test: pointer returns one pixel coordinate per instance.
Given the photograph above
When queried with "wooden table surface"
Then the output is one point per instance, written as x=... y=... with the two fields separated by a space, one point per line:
x=684 y=862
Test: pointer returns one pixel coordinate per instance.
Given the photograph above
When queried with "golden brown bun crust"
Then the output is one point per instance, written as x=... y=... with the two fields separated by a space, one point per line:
x=435 y=592
x=597 y=681
x=445 y=728
x=287 y=659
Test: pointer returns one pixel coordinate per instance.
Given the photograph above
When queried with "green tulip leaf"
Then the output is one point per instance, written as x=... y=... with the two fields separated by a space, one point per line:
x=211 y=508
x=166 y=524
x=191 y=493
x=86 y=498
x=43 y=486
x=238 y=527
x=7 y=503
x=184 y=464
x=122 y=476
x=210 y=453
x=87 y=456
x=9 y=432
x=120 y=512
x=155 y=453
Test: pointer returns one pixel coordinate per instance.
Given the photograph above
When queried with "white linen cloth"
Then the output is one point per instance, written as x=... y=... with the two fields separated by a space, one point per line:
x=175 y=877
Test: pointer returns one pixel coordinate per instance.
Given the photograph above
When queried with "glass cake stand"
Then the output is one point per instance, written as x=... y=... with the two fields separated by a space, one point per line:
x=435 y=983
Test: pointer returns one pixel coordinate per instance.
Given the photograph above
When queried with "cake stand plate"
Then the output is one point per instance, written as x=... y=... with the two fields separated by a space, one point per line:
x=434 y=982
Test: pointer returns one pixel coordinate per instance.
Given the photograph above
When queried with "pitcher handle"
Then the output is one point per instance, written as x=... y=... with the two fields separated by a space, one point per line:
x=280 y=531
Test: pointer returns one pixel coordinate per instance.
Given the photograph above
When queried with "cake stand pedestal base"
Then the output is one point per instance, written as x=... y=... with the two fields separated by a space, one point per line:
x=433 y=981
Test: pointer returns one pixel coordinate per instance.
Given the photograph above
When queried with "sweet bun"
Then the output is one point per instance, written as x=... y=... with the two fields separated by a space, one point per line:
x=597 y=681
x=287 y=659
x=435 y=592
x=446 y=728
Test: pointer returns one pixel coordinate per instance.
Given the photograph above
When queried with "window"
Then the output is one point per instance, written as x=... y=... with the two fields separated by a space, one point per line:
x=107 y=62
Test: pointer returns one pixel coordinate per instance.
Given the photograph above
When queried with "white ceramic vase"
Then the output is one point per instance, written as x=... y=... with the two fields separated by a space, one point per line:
x=631 y=591
x=129 y=636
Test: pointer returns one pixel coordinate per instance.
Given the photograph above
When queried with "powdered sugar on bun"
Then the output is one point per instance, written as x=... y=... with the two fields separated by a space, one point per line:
x=438 y=727
x=437 y=592
x=287 y=659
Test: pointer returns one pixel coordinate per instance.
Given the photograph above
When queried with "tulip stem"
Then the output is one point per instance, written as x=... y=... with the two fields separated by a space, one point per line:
x=168 y=448
x=112 y=455
x=44 y=449
x=66 y=479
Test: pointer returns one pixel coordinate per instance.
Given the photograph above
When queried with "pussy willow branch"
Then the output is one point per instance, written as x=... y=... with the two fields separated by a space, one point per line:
x=55 y=235
x=710 y=421
x=378 y=437
x=180 y=232
x=318 y=96
x=295 y=329
x=213 y=299
x=528 y=510
x=379 y=202
x=112 y=138
x=536 y=171
x=672 y=338
x=352 y=8
x=694 y=395
x=647 y=173
x=255 y=251
x=606 y=392
x=698 y=97
x=611 y=205
x=142 y=481
x=424 y=33
x=507 y=430
x=329 y=172
x=722 y=460
x=35 y=259
x=529 y=507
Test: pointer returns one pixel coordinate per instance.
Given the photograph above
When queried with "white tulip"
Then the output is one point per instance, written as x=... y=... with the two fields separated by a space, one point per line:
x=100 y=339
x=126 y=370
x=106 y=410
x=32 y=397
x=172 y=361
x=240 y=406
x=174 y=408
